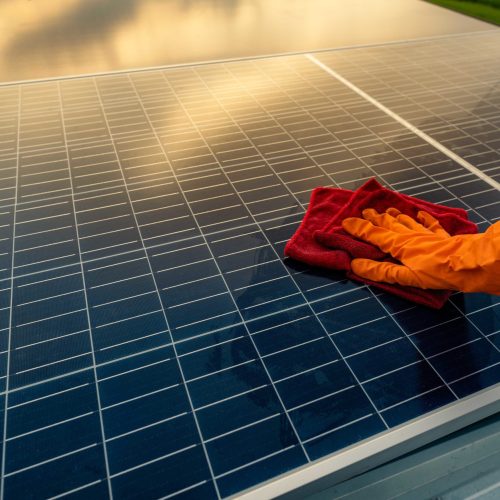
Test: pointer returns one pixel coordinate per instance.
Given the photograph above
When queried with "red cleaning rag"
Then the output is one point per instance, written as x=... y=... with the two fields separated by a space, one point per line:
x=320 y=240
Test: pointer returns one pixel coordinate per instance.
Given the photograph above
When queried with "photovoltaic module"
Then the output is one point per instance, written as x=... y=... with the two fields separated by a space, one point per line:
x=154 y=341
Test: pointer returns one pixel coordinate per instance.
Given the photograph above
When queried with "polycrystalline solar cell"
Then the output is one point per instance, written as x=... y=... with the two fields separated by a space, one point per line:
x=154 y=341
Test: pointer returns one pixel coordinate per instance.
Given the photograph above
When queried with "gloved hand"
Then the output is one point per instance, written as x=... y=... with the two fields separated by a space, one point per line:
x=431 y=258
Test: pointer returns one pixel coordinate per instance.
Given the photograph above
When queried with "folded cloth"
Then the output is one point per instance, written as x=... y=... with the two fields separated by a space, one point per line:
x=320 y=240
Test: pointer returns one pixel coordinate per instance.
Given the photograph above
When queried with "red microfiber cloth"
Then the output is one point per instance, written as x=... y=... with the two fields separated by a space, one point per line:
x=320 y=240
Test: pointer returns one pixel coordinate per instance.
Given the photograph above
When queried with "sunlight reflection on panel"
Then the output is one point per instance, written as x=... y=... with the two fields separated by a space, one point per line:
x=56 y=37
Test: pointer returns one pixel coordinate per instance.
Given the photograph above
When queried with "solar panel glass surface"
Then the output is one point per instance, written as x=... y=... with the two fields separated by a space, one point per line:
x=155 y=342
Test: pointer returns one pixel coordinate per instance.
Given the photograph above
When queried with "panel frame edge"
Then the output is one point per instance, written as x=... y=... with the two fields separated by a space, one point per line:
x=375 y=451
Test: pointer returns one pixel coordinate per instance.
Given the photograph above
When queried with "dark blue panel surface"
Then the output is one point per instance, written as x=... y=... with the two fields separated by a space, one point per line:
x=154 y=341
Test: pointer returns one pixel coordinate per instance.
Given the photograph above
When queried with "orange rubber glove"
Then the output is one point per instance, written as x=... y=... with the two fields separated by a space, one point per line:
x=431 y=258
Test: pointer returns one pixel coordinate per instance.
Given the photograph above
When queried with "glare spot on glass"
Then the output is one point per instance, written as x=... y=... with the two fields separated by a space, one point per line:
x=59 y=37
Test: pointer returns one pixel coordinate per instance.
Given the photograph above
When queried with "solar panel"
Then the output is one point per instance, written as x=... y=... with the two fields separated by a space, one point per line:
x=155 y=342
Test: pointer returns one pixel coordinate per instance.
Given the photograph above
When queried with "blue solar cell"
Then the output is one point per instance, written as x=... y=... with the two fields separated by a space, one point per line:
x=262 y=470
x=383 y=359
x=300 y=358
x=153 y=373
x=476 y=381
x=126 y=451
x=26 y=450
x=445 y=337
x=165 y=476
x=408 y=382
x=127 y=416
x=338 y=438
x=57 y=476
x=488 y=321
x=435 y=398
x=287 y=335
x=229 y=383
x=258 y=441
x=330 y=412
x=238 y=412
x=219 y=357
x=367 y=336
x=414 y=321
x=208 y=340
x=315 y=384
x=466 y=359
